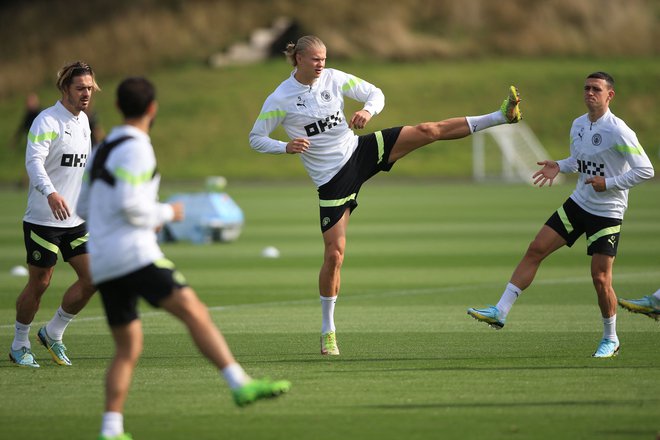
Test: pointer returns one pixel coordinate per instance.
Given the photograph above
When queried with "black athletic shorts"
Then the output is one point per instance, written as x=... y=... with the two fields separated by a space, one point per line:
x=42 y=243
x=369 y=158
x=154 y=283
x=602 y=233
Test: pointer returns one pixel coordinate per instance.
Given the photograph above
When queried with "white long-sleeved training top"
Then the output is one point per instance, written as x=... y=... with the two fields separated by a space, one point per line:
x=316 y=113
x=607 y=148
x=58 y=146
x=122 y=217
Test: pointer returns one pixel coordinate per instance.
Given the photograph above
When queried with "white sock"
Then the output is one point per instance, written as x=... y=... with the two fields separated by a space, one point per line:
x=113 y=424
x=509 y=297
x=235 y=376
x=56 y=326
x=328 y=312
x=482 y=122
x=609 y=328
x=21 y=338
x=656 y=295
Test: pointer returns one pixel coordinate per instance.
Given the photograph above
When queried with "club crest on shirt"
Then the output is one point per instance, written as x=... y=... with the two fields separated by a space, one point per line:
x=326 y=96
x=596 y=139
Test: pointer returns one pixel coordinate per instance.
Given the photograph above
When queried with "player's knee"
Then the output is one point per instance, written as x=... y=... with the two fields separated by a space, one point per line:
x=536 y=251
x=130 y=352
x=87 y=287
x=429 y=131
x=135 y=352
x=39 y=284
x=600 y=279
x=334 y=257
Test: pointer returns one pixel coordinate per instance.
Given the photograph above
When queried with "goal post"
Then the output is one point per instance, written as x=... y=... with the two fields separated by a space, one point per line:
x=513 y=156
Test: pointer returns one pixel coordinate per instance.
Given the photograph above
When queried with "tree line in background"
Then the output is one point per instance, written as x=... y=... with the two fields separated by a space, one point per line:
x=134 y=36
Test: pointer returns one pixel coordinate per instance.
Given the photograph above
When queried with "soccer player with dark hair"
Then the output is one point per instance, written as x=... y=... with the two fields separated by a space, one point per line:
x=609 y=161
x=119 y=198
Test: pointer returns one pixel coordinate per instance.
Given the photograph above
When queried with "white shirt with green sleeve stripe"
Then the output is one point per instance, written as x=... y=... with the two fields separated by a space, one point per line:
x=122 y=217
x=58 y=147
x=316 y=113
x=607 y=148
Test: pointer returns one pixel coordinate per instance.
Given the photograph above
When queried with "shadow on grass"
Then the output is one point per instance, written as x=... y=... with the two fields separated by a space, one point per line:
x=574 y=403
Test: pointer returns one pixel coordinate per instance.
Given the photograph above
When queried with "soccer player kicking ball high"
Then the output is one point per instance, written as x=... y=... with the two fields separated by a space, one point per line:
x=309 y=105
x=610 y=161
x=119 y=200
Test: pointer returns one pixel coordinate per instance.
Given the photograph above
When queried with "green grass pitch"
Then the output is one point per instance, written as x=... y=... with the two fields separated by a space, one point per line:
x=413 y=364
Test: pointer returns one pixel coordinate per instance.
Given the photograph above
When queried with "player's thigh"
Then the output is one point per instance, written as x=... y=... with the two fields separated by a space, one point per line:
x=547 y=241
x=128 y=338
x=184 y=303
x=80 y=264
x=410 y=138
x=335 y=237
x=601 y=266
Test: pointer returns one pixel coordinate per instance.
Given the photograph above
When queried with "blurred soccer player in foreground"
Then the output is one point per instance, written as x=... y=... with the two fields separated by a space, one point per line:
x=119 y=199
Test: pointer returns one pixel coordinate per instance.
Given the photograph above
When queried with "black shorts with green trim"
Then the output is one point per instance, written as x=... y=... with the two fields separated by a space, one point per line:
x=154 y=283
x=369 y=158
x=602 y=233
x=43 y=243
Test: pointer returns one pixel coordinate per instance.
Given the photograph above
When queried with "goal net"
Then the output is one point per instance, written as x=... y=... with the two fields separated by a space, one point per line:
x=507 y=153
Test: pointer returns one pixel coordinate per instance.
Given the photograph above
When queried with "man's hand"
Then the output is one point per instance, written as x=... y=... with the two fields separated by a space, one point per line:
x=58 y=206
x=547 y=173
x=360 y=119
x=597 y=182
x=179 y=211
x=297 y=146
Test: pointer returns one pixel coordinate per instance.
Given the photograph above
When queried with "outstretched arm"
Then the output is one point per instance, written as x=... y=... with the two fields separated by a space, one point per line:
x=547 y=173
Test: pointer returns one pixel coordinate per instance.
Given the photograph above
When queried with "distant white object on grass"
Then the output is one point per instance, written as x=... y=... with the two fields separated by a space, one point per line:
x=19 y=271
x=270 y=252
x=216 y=183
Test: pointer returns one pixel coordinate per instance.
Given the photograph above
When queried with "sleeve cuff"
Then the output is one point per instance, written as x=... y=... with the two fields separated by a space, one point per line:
x=166 y=212
x=610 y=182
x=370 y=109
x=560 y=162
x=48 y=190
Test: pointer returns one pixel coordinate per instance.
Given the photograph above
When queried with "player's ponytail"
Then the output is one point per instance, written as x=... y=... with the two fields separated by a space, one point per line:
x=303 y=44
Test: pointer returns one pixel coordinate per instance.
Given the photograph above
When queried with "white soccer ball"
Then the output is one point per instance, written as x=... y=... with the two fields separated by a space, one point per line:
x=216 y=183
x=270 y=252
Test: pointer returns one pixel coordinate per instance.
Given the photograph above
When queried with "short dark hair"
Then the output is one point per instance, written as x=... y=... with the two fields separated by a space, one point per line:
x=603 y=75
x=134 y=94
